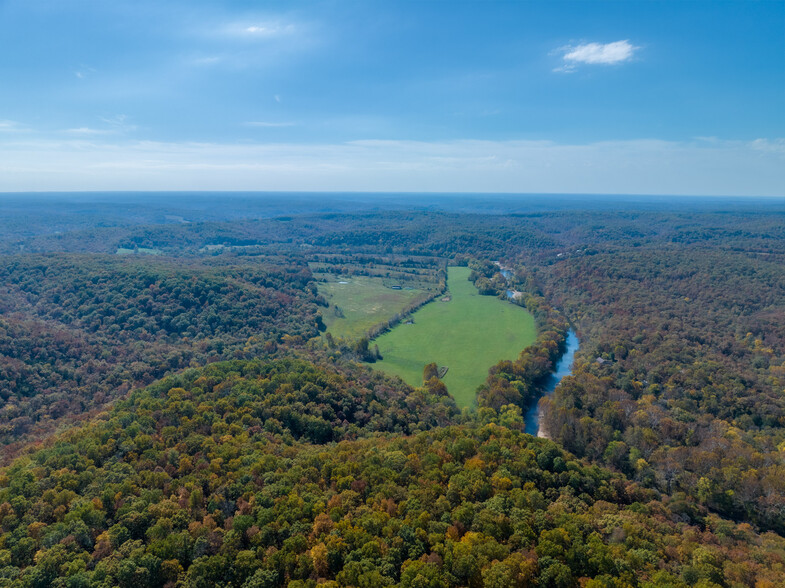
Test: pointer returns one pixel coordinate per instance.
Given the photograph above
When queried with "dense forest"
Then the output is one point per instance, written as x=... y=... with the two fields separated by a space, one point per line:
x=680 y=380
x=176 y=416
x=220 y=477
x=77 y=331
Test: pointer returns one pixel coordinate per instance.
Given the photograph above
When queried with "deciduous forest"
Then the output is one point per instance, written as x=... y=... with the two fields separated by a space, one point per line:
x=176 y=413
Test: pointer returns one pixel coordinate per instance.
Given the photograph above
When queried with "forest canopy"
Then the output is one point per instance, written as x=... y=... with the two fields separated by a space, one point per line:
x=261 y=474
x=181 y=419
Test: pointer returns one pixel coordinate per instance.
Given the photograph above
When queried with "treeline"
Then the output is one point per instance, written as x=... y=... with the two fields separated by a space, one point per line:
x=363 y=349
x=439 y=290
x=679 y=379
x=253 y=474
x=422 y=265
x=77 y=331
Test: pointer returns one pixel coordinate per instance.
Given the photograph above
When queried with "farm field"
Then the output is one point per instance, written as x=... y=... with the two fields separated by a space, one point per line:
x=358 y=303
x=468 y=334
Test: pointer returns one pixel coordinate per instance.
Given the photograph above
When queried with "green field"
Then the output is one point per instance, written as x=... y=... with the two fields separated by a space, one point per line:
x=364 y=303
x=468 y=334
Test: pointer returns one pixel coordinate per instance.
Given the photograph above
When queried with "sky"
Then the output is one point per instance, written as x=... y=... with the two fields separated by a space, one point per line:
x=634 y=97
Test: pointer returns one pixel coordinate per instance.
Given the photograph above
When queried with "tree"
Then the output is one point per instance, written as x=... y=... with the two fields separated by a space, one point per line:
x=431 y=370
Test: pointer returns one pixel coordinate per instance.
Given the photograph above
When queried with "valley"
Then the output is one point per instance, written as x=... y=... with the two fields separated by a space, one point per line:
x=220 y=416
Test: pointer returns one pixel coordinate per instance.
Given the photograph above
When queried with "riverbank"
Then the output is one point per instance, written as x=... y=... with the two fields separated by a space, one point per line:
x=563 y=368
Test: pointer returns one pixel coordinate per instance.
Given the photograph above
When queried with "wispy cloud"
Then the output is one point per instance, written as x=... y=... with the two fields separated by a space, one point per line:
x=209 y=60
x=260 y=29
x=270 y=29
x=118 y=123
x=84 y=131
x=112 y=125
x=614 y=167
x=769 y=146
x=84 y=71
x=250 y=41
x=266 y=124
x=116 y=120
x=595 y=54
x=11 y=126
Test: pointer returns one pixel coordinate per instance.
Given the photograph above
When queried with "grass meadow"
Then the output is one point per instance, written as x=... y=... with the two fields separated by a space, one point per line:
x=364 y=302
x=468 y=334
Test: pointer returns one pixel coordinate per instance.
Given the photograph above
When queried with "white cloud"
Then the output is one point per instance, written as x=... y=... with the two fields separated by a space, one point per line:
x=596 y=54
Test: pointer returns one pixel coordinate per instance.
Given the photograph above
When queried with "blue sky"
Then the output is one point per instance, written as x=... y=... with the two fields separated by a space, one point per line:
x=648 y=97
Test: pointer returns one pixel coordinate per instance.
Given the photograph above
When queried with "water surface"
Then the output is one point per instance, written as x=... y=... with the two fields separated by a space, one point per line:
x=563 y=368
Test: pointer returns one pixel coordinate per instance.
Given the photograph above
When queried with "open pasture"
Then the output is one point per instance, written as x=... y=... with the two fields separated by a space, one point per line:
x=358 y=303
x=468 y=334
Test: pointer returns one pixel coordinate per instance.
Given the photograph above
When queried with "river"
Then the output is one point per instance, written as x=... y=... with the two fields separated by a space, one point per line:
x=563 y=368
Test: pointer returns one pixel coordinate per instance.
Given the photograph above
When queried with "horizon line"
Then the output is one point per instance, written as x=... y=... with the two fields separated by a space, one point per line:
x=396 y=193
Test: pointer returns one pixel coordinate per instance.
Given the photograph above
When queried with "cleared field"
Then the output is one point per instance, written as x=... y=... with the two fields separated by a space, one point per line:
x=362 y=303
x=468 y=334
